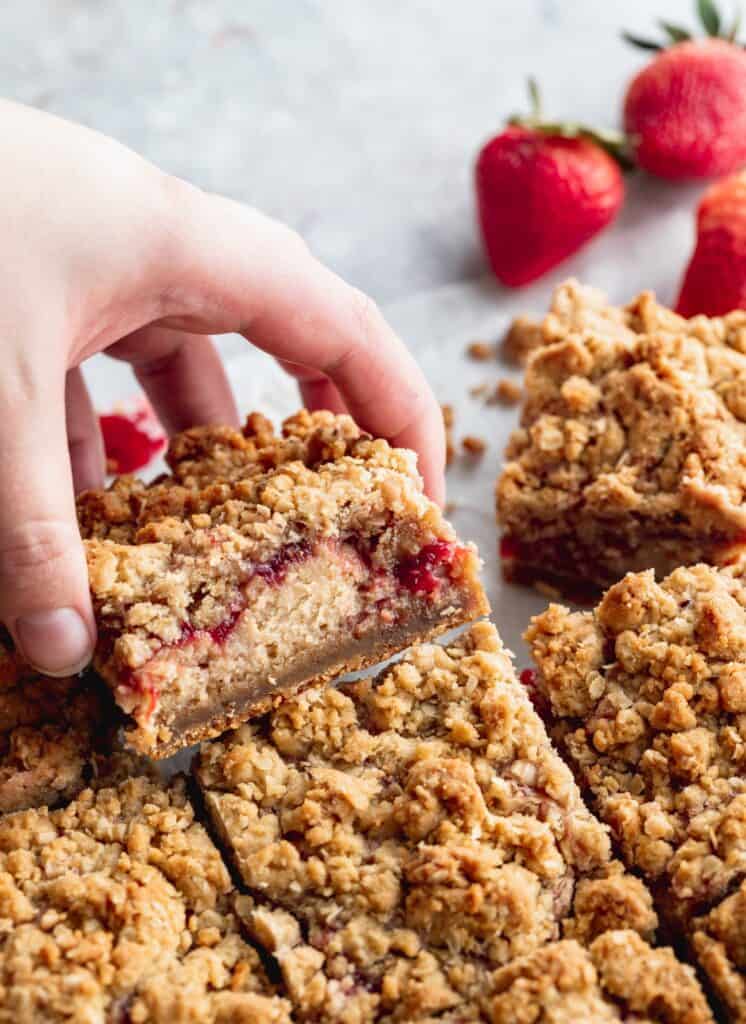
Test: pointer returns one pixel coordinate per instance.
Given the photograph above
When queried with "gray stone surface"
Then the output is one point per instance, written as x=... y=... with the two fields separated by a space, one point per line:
x=357 y=121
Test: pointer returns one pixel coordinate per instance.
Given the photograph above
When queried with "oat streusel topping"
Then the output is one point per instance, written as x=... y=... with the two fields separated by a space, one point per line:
x=417 y=824
x=632 y=447
x=650 y=695
x=50 y=732
x=619 y=978
x=117 y=908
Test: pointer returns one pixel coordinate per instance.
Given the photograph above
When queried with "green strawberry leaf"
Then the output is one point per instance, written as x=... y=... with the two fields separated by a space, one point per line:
x=709 y=16
x=640 y=43
x=674 y=32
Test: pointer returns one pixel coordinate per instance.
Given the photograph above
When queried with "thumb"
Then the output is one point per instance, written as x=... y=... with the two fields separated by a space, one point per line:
x=44 y=597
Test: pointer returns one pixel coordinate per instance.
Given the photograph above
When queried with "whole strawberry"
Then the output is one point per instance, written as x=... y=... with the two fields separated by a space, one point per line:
x=543 y=190
x=685 y=112
x=715 y=280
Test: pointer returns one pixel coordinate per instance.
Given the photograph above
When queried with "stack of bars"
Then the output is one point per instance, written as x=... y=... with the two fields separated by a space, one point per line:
x=631 y=455
x=404 y=848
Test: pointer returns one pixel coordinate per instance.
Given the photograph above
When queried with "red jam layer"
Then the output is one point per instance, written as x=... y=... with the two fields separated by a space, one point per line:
x=421 y=574
x=418 y=572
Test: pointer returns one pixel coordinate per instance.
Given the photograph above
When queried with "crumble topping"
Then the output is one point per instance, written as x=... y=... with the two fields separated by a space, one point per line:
x=619 y=978
x=50 y=732
x=632 y=436
x=650 y=692
x=118 y=908
x=416 y=824
x=719 y=942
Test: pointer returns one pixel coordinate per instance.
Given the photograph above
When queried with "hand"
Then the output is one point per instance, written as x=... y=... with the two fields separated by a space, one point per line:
x=105 y=252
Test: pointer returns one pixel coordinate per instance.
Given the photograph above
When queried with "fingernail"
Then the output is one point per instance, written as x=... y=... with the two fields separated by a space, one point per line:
x=56 y=642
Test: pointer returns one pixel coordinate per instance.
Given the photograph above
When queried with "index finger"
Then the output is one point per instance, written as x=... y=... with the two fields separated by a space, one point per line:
x=236 y=270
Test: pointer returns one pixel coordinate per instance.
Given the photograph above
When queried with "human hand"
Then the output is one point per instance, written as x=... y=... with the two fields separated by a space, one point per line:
x=106 y=252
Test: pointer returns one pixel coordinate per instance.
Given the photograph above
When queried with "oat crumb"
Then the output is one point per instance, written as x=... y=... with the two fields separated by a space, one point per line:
x=481 y=351
x=474 y=445
x=507 y=392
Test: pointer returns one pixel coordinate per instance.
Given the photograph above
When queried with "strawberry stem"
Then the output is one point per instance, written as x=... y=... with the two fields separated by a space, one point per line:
x=710 y=18
x=615 y=143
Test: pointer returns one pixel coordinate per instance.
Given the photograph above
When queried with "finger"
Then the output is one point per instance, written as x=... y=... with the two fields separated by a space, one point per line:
x=316 y=390
x=44 y=597
x=235 y=270
x=84 y=441
x=182 y=375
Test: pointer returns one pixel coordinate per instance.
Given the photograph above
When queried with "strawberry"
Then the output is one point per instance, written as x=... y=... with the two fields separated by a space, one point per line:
x=715 y=280
x=685 y=112
x=543 y=190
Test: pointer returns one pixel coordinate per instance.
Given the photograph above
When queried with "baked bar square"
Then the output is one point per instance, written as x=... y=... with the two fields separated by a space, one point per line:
x=260 y=565
x=53 y=732
x=631 y=452
x=647 y=699
x=619 y=978
x=118 y=908
x=409 y=834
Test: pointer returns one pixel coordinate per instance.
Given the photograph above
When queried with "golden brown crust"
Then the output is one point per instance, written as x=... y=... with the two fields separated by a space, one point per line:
x=632 y=447
x=118 y=908
x=416 y=824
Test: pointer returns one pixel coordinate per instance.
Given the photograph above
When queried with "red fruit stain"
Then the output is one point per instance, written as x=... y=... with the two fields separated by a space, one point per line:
x=417 y=573
x=508 y=548
x=130 y=439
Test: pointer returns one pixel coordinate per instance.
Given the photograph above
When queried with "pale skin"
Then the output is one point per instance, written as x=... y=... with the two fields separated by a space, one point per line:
x=104 y=252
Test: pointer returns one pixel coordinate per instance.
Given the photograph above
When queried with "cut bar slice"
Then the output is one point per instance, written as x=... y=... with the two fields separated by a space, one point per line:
x=631 y=452
x=51 y=733
x=317 y=554
x=417 y=828
x=620 y=978
x=118 y=909
x=647 y=696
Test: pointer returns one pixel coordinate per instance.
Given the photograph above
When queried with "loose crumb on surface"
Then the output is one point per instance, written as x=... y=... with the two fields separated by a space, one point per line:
x=521 y=338
x=448 y=420
x=481 y=351
x=474 y=445
x=506 y=392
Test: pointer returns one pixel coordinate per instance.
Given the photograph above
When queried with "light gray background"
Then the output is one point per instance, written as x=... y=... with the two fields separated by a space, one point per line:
x=358 y=123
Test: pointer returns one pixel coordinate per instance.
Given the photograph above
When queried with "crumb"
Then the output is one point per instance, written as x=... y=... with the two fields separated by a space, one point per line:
x=547 y=590
x=474 y=445
x=507 y=391
x=448 y=420
x=521 y=338
x=481 y=351
x=480 y=390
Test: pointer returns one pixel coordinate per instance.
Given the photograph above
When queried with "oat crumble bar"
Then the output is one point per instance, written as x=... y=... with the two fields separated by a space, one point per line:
x=118 y=909
x=51 y=732
x=619 y=978
x=400 y=837
x=261 y=564
x=647 y=696
x=631 y=453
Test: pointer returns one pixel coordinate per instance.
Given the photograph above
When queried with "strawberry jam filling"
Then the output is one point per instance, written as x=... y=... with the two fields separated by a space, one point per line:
x=422 y=574
x=419 y=573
